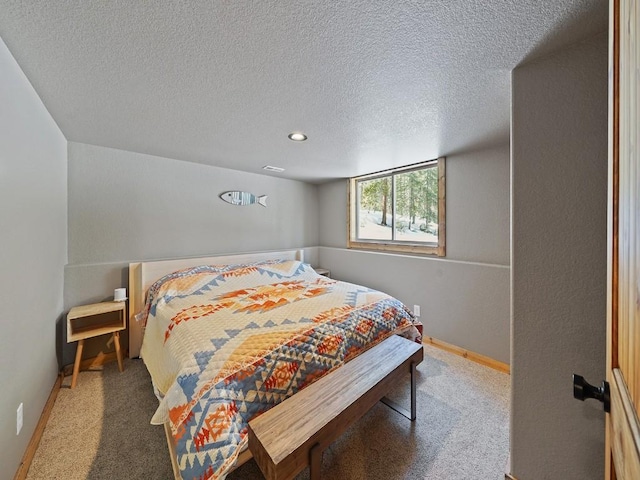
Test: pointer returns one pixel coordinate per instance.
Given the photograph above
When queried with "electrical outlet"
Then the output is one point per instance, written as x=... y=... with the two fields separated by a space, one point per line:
x=19 y=420
x=416 y=310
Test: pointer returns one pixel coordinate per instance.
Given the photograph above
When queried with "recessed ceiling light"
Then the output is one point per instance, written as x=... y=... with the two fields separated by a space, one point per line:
x=273 y=169
x=297 y=137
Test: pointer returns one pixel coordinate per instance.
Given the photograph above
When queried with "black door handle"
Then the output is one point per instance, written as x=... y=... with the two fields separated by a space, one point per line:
x=583 y=390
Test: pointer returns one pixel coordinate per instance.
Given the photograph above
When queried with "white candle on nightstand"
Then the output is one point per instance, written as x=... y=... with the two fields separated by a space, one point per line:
x=119 y=294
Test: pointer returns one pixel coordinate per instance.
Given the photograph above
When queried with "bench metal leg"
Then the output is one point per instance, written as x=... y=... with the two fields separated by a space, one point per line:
x=315 y=462
x=411 y=415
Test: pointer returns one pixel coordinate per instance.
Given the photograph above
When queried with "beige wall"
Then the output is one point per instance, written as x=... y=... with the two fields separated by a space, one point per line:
x=559 y=168
x=33 y=236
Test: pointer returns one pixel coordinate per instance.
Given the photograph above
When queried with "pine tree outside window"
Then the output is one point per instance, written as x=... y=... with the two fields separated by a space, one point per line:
x=399 y=210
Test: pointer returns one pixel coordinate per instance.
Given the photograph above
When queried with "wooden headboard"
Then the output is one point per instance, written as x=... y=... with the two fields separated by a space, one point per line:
x=143 y=274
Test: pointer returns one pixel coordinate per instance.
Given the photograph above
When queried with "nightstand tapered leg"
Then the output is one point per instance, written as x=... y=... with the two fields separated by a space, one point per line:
x=116 y=339
x=76 y=365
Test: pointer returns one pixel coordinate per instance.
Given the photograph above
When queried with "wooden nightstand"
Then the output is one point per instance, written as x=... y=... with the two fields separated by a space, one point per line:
x=89 y=321
x=323 y=271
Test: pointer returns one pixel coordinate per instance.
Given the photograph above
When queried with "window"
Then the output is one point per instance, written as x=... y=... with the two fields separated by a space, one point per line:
x=399 y=210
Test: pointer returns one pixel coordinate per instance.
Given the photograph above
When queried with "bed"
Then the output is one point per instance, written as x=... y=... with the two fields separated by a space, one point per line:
x=226 y=338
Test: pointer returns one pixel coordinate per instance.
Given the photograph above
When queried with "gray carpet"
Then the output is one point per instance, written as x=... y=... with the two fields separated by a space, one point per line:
x=100 y=430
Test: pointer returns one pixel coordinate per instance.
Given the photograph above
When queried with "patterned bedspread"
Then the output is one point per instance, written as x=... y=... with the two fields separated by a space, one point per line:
x=225 y=343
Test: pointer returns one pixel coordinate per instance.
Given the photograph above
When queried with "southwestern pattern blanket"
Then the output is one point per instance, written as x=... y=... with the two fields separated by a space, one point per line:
x=225 y=343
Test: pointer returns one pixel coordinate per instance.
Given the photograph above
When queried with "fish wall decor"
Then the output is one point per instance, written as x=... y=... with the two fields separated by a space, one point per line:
x=243 y=198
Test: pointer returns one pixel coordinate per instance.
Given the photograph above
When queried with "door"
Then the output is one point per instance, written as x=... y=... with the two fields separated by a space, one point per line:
x=623 y=306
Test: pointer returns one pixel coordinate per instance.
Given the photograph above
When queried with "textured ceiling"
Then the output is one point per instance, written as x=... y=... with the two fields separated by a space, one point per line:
x=373 y=83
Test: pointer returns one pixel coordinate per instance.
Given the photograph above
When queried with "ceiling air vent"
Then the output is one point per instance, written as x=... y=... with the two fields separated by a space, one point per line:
x=269 y=168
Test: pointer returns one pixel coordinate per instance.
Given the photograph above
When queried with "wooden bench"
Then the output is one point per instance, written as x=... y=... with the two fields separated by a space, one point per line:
x=293 y=434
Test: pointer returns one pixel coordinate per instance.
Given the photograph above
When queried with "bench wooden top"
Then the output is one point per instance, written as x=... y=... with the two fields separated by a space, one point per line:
x=280 y=439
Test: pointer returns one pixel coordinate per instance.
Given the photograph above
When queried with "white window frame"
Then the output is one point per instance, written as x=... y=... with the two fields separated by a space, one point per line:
x=435 y=248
